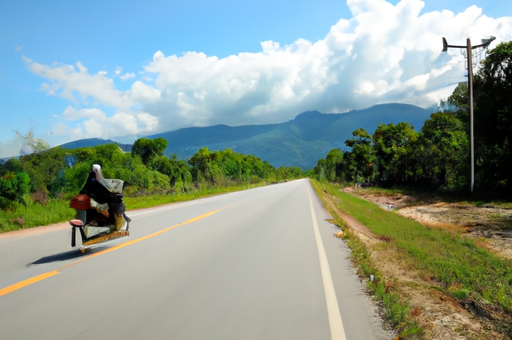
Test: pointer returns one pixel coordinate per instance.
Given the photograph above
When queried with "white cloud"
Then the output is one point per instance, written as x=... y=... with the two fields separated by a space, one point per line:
x=93 y=122
x=143 y=93
x=384 y=53
x=127 y=76
x=70 y=113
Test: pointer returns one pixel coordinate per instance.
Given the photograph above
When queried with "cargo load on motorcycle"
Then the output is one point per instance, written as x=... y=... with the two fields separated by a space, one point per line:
x=100 y=210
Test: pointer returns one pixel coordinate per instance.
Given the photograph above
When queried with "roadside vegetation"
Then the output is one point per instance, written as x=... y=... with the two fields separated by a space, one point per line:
x=36 y=189
x=448 y=262
x=396 y=311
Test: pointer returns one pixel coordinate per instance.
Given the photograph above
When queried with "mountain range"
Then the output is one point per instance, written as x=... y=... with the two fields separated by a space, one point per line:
x=299 y=142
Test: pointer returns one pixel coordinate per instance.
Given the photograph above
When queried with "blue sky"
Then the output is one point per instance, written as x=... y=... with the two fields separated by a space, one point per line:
x=111 y=69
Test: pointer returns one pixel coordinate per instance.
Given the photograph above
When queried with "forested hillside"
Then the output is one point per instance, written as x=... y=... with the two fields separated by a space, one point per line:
x=299 y=142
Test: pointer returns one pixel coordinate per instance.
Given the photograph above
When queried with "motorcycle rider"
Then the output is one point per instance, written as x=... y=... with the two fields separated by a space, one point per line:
x=103 y=195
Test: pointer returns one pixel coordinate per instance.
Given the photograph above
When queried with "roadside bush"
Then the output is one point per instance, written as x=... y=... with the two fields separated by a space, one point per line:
x=13 y=188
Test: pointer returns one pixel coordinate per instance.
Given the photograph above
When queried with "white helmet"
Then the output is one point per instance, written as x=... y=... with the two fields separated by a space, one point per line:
x=97 y=170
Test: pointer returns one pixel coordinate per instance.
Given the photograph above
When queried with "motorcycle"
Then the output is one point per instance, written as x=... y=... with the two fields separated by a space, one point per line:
x=100 y=219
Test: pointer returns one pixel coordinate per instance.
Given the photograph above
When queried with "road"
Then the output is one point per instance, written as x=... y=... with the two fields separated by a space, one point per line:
x=256 y=264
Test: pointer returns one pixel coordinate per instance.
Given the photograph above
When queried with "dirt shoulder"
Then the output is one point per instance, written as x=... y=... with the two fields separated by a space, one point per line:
x=488 y=225
x=440 y=316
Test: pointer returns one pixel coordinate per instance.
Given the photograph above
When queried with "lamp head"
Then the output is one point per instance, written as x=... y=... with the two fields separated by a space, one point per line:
x=445 y=45
x=488 y=41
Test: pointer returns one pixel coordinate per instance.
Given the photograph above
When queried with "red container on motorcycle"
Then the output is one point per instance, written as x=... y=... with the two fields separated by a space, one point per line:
x=80 y=202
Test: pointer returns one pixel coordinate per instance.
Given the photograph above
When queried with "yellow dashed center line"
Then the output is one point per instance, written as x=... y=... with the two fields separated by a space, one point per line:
x=27 y=282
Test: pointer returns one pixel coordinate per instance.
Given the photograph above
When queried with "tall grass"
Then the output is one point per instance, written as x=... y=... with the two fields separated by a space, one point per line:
x=30 y=215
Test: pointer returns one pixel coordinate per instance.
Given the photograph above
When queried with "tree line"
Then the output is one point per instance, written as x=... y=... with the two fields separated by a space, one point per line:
x=396 y=154
x=61 y=173
x=438 y=156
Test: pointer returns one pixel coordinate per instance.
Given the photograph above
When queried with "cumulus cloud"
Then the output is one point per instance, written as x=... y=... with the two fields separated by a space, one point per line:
x=89 y=93
x=384 y=53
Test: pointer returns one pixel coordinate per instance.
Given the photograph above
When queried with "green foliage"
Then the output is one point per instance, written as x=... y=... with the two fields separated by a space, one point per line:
x=453 y=260
x=13 y=188
x=43 y=168
x=61 y=173
x=71 y=180
x=396 y=312
x=331 y=168
x=397 y=154
x=460 y=100
x=493 y=120
x=443 y=152
x=147 y=148
x=439 y=156
x=393 y=145
x=11 y=165
x=203 y=165
x=217 y=166
x=362 y=157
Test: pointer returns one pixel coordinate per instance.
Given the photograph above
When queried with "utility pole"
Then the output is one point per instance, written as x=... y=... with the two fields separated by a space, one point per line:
x=469 y=53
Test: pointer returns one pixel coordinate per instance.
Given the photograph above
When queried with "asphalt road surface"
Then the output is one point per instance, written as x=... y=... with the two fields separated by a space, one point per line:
x=255 y=264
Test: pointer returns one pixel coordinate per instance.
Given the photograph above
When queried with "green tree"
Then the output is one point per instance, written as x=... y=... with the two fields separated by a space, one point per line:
x=394 y=152
x=181 y=175
x=334 y=165
x=493 y=119
x=71 y=180
x=320 y=169
x=361 y=159
x=44 y=167
x=460 y=100
x=13 y=188
x=177 y=170
x=147 y=148
x=443 y=150
x=11 y=165
x=330 y=167
x=203 y=165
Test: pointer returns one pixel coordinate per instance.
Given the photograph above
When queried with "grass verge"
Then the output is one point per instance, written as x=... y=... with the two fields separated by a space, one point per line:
x=396 y=313
x=478 y=280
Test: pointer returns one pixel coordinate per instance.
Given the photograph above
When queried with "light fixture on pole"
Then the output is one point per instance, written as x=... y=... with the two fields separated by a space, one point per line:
x=469 y=51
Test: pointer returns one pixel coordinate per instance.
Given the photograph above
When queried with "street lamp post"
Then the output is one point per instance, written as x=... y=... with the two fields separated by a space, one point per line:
x=469 y=53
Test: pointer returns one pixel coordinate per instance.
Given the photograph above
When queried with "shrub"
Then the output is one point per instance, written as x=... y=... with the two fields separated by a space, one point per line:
x=13 y=187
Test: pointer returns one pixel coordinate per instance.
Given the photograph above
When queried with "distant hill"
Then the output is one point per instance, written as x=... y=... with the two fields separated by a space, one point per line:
x=299 y=142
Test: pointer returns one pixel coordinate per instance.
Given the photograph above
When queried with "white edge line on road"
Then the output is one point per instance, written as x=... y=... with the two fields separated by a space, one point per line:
x=333 y=310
